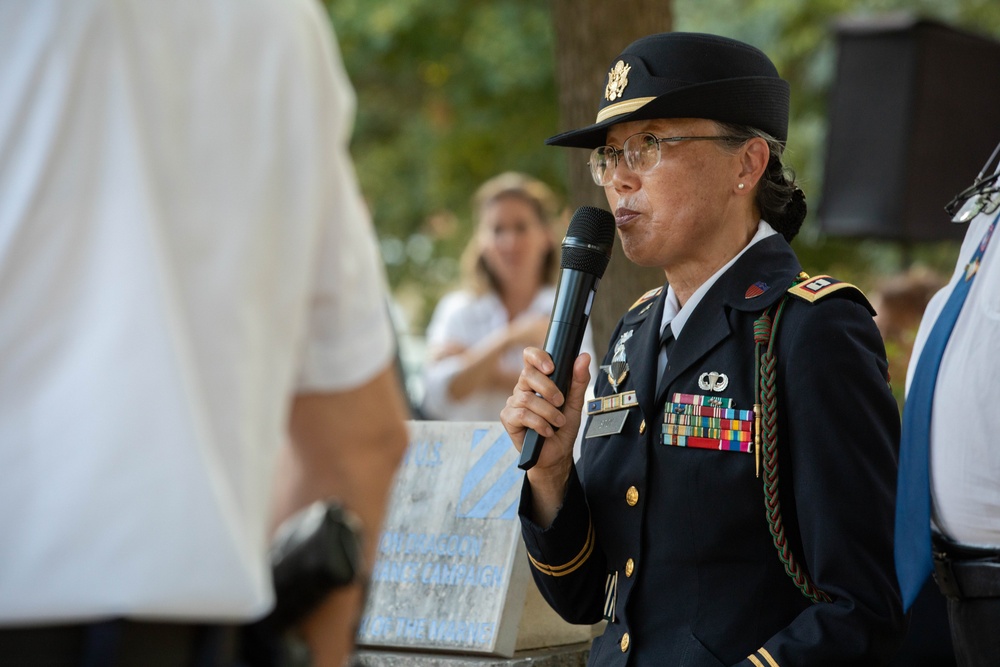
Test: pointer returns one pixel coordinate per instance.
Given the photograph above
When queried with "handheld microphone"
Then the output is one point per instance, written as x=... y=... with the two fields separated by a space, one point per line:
x=585 y=254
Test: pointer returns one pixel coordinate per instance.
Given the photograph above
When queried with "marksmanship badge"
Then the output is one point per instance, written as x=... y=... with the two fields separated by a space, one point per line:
x=617 y=80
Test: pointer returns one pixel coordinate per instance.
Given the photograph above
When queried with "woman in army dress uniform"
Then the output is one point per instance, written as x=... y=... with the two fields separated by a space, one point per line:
x=734 y=499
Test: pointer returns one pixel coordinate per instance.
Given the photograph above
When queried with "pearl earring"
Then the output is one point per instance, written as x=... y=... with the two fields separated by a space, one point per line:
x=740 y=186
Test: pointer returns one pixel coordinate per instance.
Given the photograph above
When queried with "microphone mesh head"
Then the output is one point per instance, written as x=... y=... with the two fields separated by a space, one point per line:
x=592 y=227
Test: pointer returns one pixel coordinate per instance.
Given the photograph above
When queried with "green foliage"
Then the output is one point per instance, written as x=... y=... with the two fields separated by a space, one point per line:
x=450 y=93
x=799 y=37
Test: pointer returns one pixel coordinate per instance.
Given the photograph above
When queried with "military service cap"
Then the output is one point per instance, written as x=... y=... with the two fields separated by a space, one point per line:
x=688 y=75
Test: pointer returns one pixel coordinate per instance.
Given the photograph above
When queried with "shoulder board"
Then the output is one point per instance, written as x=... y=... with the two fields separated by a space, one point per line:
x=651 y=294
x=819 y=287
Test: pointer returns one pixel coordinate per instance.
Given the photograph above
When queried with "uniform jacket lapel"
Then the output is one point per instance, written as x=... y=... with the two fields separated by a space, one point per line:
x=706 y=328
x=641 y=350
x=709 y=324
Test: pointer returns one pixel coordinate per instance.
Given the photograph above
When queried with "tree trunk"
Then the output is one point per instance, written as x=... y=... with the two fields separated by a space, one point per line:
x=589 y=34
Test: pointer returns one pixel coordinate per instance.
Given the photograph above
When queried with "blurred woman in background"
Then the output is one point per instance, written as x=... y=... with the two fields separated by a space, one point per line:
x=477 y=334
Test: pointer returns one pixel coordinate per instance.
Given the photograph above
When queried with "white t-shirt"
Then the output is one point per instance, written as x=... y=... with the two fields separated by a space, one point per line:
x=965 y=458
x=183 y=246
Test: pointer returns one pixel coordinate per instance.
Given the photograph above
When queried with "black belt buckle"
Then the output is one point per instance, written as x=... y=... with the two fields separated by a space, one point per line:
x=944 y=574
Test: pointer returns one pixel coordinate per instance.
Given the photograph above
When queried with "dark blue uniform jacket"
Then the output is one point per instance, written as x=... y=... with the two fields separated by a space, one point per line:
x=675 y=541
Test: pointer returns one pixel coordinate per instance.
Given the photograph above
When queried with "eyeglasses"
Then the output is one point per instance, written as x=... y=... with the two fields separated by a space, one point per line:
x=641 y=151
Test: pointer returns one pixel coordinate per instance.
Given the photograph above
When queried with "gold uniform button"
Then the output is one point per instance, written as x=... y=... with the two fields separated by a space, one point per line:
x=642 y=427
x=629 y=567
x=632 y=496
x=624 y=642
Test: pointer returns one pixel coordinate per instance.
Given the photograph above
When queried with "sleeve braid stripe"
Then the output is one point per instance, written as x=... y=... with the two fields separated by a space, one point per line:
x=571 y=566
x=767 y=656
x=755 y=661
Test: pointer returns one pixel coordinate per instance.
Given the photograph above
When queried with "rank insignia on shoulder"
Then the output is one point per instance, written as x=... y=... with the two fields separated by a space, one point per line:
x=651 y=294
x=817 y=287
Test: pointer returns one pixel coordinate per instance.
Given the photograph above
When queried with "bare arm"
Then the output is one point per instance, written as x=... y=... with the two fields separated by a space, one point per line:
x=480 y=363
x=537 y=404
x=345 y=445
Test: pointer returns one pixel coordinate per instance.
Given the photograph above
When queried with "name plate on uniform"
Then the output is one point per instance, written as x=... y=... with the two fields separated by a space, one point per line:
x=609 y=413
x=606 y=423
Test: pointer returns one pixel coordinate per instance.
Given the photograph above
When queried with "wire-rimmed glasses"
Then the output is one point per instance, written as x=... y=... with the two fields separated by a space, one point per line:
x=983 y=196
x=641 y=152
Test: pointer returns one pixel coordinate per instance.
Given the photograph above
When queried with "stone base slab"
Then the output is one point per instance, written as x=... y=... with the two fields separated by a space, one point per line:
x=574 y=655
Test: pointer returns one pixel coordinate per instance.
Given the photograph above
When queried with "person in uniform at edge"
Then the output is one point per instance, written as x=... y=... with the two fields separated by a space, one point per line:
x=734 y=499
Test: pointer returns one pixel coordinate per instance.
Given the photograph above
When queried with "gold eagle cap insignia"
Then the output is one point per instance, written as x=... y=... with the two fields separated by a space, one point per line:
x=617 y=80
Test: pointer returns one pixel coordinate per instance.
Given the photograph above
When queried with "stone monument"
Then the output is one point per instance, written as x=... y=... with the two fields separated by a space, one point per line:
x=451 y=577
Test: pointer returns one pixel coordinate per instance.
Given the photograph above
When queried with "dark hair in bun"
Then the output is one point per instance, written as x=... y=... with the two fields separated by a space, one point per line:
x=781 y=202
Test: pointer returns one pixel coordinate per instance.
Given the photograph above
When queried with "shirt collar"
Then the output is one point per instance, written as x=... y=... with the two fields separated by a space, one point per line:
x=676 y=316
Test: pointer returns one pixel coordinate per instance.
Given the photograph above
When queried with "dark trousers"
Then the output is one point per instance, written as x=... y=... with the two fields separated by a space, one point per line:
x=975 y=631
x=118 y=643
x=928 y=640
x=970 y=578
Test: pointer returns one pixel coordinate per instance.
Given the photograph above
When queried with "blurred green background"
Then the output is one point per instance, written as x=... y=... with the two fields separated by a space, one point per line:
x=451 y=92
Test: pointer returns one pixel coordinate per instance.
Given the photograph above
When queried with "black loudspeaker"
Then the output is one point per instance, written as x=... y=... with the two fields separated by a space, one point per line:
x=914 y=113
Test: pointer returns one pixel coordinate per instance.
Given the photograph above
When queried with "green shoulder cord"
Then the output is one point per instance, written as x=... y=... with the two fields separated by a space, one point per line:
x=766 y=446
